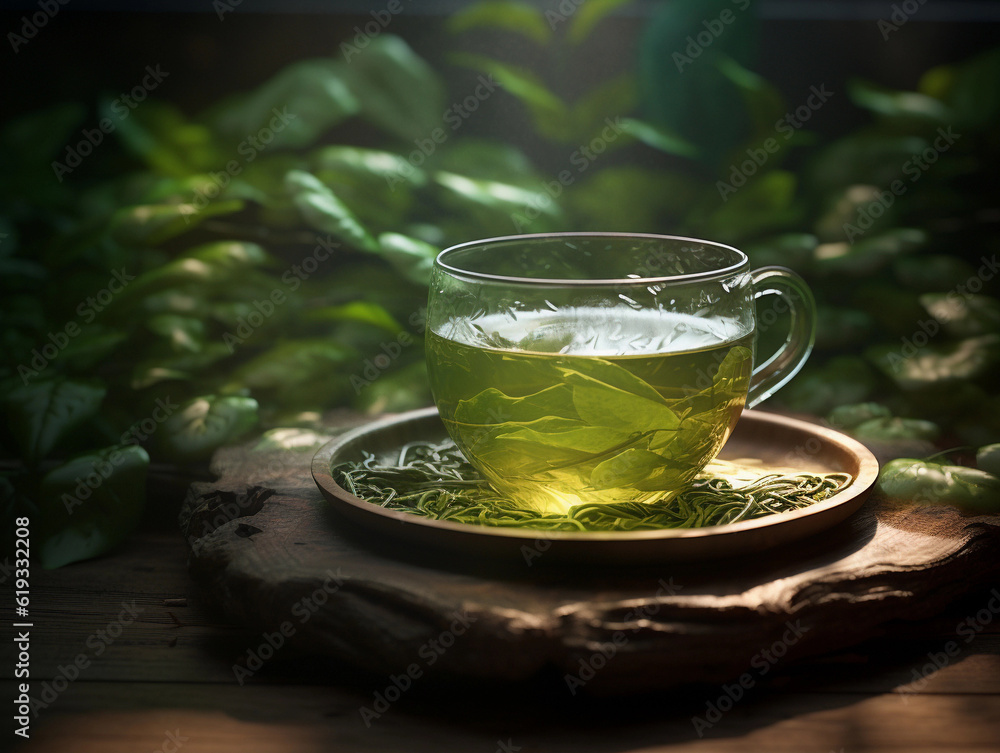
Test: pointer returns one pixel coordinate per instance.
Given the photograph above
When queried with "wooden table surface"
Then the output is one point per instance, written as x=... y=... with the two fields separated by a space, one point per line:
x=163 y=680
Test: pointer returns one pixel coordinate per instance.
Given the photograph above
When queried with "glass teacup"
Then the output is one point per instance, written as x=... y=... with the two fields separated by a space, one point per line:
x=601 y=367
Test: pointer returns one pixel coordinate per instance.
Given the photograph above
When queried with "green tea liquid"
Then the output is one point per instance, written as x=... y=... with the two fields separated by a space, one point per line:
x=556 y=412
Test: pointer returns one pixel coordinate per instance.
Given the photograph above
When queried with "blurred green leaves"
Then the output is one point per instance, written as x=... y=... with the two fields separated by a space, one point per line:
x=322 y=210
x=42 y=413
x=508 y=15
x=204 y=423
x=274 y=262
x=91 y=503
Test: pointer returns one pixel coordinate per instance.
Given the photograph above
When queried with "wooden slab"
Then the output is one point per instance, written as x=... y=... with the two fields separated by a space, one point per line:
x=269 y=552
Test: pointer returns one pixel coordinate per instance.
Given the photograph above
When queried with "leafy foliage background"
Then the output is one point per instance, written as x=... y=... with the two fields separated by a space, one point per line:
x=294 y=283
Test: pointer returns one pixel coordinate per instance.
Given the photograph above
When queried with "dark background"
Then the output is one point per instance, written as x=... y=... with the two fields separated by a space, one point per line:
x=92 y=48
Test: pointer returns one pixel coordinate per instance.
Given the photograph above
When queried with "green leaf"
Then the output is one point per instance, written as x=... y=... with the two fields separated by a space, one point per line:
x=581 y=440
x=851 y=416
x=398 y=90
x=91 y=503
x=203 y=424
x=971 y=89
x=625 y=411
x=507 y=15
x=362 y=312
x=377 y=186
x=763 y=204
x=160 y=135
x=908 y=107
x=628 y=468
x=43 y=412
x=292 y=364
x=384 y=166
x=322 y=210
x=297 y=106
x=150 y=225
x=916 y=368
x=550 y=115
x=231 y=254
x=917 y=481
x=180 y=367
x=183 y=333
x=413 y=258
x=604 y=374
x=497 y=408
x=659 y=138
x=965 y=315
x=988 y=459
x=588 y=15
x=733 y=374
x=497 y=207
x=162 y=290
x=488 y=160
x=886 y=428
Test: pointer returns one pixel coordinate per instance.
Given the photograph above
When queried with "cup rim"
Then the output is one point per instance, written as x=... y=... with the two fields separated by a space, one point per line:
x=743 y=261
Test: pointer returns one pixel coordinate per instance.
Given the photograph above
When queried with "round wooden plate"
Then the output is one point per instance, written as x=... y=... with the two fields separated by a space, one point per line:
x=772 y=439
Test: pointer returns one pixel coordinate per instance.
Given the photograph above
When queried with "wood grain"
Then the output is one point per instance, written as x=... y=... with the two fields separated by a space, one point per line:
x=386 y=609
x=134 y=694
x=110 y=718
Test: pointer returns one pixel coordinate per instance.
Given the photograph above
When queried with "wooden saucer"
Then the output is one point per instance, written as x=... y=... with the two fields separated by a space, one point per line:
x=774 y=440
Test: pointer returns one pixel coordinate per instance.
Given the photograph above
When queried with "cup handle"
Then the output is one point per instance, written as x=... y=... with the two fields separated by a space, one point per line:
x=777 y=370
